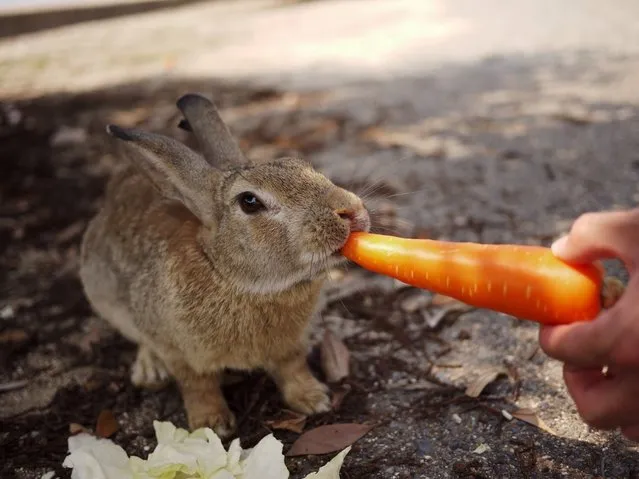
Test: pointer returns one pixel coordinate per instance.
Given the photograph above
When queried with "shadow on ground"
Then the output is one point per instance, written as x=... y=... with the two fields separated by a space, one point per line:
x=492 y=156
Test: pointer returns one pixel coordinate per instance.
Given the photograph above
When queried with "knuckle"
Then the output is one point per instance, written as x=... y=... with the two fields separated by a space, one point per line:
x=594 y=418
x=631 y=433
x=585 y=226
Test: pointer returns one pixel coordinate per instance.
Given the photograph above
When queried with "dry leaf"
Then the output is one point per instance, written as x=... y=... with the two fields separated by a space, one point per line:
x=443 y=300
x=75 y=428
x=328 y=438
x=475 y=388
x=529 y=416
x=292 y=421
x=93 y=336
x=11 y=337
x=70 y=232
x=130 y=117
x=454 y=306
x=335 y=357
x=338 y=397
x=106 y=425
x=13 y=385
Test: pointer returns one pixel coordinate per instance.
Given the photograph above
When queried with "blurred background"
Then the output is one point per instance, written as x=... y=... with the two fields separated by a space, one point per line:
x=482 y=121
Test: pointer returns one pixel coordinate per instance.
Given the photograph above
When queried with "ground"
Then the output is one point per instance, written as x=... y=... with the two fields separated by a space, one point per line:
x=497 y=146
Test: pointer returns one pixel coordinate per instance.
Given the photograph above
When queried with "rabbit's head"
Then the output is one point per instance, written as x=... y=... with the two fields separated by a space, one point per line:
x=267 y=225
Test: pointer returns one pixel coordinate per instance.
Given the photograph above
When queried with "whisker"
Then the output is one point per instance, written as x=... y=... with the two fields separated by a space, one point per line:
x=310 y=272
x=395 y=195
x=382 y=173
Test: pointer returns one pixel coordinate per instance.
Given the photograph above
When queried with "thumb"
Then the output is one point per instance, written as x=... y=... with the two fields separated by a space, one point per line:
x=596 y=236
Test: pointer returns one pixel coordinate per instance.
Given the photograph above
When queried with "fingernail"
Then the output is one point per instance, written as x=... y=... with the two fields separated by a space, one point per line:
x=559 y=246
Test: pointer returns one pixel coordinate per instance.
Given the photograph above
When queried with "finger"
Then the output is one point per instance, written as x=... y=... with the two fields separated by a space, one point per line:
x=611 y=338
x=585 y=344
x=631 y=432
x=594 y=236
x=604 y=403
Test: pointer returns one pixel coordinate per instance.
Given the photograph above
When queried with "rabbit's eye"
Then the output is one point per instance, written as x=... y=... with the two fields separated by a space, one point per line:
x=249 y=203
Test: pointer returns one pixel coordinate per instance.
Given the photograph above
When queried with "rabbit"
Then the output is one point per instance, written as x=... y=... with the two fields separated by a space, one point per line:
x=211 y=262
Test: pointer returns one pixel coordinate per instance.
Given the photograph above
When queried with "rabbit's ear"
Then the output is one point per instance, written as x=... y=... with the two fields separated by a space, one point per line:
x=178 y=172
x=216 y=141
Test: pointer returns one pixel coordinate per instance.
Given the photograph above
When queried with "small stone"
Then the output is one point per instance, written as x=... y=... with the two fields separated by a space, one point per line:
x=482 y=448
x=415 y=302
x=7 y=312
x=457 y=418
x=460 y=221
x=14 y=117
x=424 y=447
x=67 y=135
x=463 y=335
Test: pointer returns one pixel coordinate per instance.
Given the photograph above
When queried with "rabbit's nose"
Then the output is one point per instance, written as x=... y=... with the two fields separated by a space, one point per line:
x=358 y=221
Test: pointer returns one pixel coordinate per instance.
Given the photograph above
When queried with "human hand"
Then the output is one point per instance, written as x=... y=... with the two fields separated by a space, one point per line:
x=611 y=400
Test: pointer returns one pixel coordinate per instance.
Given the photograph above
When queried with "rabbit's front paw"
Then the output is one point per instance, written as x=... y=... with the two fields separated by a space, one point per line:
x=149 y=371
x=220 y=419
x=308 y=396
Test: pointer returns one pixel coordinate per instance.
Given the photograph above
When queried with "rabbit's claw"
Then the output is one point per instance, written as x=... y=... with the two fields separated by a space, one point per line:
x=220 y=419
x=149 y=371
x=308 y=397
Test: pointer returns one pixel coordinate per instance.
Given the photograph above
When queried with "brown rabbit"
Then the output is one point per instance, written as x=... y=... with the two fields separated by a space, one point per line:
x=212 y=261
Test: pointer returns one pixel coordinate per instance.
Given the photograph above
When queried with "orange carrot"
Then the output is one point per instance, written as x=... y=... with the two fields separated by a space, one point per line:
x=527 y=282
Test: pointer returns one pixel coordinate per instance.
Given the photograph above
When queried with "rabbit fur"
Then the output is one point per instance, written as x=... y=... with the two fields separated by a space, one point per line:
x=212 y=262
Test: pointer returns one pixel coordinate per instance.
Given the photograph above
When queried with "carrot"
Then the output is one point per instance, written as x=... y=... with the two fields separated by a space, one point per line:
x=527 y=282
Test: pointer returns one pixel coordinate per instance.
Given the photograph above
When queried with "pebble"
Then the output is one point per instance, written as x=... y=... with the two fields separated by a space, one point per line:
x=507 y=415
x=415 y=302
x=424 y=447
x=7 y=312
x=482 y=448
x=66 y=136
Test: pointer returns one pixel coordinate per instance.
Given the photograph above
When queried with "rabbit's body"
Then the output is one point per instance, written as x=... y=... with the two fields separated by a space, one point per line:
x=202 y=284
x=166 y=273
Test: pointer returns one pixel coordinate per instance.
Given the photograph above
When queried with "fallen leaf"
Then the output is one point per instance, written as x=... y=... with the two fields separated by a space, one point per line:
x=529 y=416
x=70 y=232
x=13 y=337
x=292 y=421
x=106 y=425
x=338 y=397
x=335 y=357
x=454 y=306
x=13 y=385
x=328 y=438
x=432 y=146
x=475 y=388
x=93 y=336
x=130 y=117
x=443 y=300
x=75 y=428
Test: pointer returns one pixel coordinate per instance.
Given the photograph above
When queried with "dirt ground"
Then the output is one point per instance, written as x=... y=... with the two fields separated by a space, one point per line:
x=507 y=148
